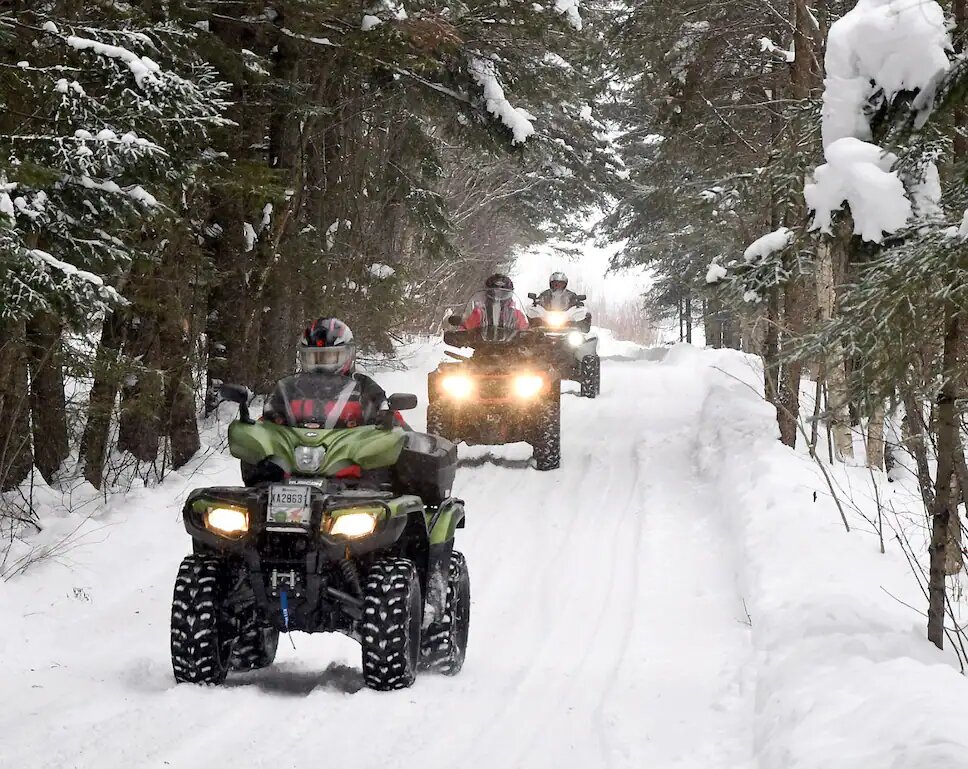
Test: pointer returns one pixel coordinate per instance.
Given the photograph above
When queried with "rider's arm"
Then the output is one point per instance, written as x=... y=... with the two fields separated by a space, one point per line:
x=473 y=320
x=372 y=392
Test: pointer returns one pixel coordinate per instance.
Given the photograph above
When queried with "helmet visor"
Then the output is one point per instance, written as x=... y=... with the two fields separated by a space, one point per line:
x=499 y=294
x=559 y=285
x=327 y=359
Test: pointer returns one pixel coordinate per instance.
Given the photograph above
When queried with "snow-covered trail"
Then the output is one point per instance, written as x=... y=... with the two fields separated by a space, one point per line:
x=606 y=631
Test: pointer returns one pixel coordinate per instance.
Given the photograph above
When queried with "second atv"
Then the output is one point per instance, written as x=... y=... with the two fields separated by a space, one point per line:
x=508 y=391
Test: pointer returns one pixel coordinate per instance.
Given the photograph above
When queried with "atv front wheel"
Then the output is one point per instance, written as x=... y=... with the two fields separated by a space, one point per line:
x=445 y=641
x=391 y=624
x=256 y=646
x=201 y=639
x=591 y=376
x=547 y=440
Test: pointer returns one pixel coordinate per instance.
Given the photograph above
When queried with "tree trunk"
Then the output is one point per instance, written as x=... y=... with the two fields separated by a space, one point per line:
x=788 y=400
x=278 y=335
x=875 y=438
x=16 y=455
x=916 y=444
x=687 y=310
x=182 y=426
x=48 y=408
x=834 y=365
x=140 y=421
x=104 y=394
x=815 y=420
x=713 y=321
x=771 y=347
x=945 y=507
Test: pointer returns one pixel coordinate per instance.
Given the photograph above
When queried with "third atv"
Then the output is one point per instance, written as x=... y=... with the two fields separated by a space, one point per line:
x=574 y=348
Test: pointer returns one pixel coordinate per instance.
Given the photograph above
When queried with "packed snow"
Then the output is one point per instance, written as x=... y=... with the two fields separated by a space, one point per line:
x=682 y=593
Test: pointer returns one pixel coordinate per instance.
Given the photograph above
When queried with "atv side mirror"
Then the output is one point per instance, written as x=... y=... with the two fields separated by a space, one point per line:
x=581 y=297
x=402 y=402
x=454 y=320
x=533 y=297
x=238 y=394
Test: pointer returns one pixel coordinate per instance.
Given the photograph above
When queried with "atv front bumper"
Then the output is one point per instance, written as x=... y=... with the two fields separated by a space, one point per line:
x=485 y=424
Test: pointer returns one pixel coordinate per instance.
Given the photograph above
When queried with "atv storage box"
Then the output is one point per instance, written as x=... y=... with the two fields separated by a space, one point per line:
x=426 y=467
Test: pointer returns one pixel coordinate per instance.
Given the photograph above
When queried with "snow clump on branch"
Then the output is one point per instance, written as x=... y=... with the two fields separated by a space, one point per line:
x=859 y=173
x=515 y=118
x=893 y=45
x=141 y=67
x=768 y=245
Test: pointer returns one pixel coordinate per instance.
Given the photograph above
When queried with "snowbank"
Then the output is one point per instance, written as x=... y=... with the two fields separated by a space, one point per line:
x=844 y=676
x=611 y=348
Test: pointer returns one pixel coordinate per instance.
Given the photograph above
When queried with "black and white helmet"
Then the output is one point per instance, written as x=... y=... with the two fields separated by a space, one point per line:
x=558 y=281
x=327 y=347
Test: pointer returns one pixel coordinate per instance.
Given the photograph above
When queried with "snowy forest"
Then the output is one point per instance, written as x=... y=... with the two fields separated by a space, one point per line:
x=186 y=184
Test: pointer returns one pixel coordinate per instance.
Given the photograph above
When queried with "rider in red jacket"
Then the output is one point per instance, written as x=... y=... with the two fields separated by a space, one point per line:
x=495 y=306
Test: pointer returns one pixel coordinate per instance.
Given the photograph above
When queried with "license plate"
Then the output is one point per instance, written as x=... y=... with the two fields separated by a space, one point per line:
x=290 y=504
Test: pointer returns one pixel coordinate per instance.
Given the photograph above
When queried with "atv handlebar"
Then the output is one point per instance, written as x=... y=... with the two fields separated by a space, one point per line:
x=474 y=338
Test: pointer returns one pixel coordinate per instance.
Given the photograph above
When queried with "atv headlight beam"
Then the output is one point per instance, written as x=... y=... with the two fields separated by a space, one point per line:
x=457 y=386
x=556 y=319
x=227 y=521
x=353 y=525
x=576 y=339
x=528 y=385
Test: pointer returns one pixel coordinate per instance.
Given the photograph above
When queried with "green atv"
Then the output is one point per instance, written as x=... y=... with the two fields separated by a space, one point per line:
x=346 y=529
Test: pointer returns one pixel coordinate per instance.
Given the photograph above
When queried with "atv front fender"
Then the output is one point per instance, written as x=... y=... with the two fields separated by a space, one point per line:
x=446 y=520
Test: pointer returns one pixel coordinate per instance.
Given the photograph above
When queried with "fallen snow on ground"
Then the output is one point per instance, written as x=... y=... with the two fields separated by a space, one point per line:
x=673 y=597
x=844 y=677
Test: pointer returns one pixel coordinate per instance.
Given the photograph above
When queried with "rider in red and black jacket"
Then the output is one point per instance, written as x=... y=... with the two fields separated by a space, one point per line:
x=496 y=308
x=328 y=391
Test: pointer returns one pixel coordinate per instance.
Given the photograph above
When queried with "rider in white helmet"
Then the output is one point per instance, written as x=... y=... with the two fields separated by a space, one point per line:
x=557 y=296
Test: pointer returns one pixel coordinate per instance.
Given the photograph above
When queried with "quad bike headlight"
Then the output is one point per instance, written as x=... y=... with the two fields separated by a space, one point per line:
x=354 y=523
x=527 y=385
x=457 y=386
x=556 y=319
x=576 y=339
x=227 y=521
x=309 y=458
